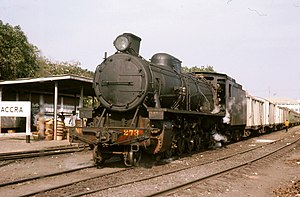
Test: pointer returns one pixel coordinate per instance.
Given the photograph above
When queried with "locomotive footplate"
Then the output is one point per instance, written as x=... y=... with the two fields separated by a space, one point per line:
x=122 y=136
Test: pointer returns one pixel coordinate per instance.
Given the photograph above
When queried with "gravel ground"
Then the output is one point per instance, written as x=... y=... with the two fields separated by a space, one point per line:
x=44 y=165
x=280 y=178
x=277 y=178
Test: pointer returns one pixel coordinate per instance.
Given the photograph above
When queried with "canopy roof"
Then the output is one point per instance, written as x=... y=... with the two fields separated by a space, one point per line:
x=67 y=84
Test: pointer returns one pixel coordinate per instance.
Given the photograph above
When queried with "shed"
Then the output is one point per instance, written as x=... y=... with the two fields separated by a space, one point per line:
x=60 y=93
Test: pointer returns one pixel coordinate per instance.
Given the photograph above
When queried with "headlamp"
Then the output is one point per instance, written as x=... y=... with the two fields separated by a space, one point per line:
x=122 y=43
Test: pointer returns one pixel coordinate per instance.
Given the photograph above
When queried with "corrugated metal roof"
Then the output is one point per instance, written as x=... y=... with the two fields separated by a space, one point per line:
x=44 y=79
x=67 y=84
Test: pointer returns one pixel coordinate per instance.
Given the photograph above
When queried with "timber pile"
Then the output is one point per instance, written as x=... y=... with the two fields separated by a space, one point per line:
x=49 y=129
x=61 y=130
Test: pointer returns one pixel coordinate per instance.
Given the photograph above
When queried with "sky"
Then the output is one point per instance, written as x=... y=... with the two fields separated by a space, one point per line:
x=256 y=42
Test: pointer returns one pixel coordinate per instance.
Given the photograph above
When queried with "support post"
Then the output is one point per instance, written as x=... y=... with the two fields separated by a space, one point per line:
x=28 y=128
x=0 y=116
x=81 y=105
x=81 y=98
x=28 y=122
x=55 y=109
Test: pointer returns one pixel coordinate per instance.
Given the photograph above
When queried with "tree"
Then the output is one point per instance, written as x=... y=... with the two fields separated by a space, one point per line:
x=18 y=58
x=50 y=68
x=208 y=68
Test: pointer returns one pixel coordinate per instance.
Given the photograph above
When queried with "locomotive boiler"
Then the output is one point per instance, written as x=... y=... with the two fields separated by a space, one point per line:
x=150 y=106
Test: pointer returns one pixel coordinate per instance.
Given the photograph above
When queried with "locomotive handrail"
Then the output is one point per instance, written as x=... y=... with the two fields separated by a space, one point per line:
x=116 y=83
x=151 y=109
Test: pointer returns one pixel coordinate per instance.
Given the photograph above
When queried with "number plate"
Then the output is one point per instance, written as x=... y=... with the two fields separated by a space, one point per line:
x=132 y=132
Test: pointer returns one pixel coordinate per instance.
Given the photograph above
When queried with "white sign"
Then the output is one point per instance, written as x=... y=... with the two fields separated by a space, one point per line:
x=15 y=108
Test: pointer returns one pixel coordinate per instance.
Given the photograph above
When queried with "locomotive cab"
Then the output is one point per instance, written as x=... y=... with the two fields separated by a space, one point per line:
x=231 y=97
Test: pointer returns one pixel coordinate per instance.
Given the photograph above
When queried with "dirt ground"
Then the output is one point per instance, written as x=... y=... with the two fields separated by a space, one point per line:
x=278 y=179
x=288 y=173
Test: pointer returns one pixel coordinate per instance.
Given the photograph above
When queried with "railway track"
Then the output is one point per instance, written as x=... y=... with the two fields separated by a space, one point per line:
x=39 y=153
x=113 y=179
x=177 y=189
x=38 y=185
x=23 y=180
x=169 y=180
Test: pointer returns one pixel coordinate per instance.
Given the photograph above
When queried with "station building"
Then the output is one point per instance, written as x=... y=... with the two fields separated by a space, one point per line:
x=53 y=95
x=288 y=103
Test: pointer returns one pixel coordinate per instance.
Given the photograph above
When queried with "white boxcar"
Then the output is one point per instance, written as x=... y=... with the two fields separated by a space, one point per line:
x=268 y=114
x=294 y=118
x=281 y=114
x=255 y=113
x=286 y=112
x=278 y=115
x=272 y=107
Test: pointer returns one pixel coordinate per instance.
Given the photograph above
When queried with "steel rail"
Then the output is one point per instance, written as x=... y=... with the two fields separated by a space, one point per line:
x=43 y=176
x=71 y=183
x=42 y=150
x=38 y=153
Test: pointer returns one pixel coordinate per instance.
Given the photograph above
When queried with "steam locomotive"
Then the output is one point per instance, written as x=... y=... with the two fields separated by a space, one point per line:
x=152 y=107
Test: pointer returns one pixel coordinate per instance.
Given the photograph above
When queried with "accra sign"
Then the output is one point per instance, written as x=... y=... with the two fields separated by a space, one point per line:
x=15 y=108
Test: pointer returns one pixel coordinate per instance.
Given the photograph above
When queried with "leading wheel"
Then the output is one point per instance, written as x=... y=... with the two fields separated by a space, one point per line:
x=132 y=158
x=97 y=156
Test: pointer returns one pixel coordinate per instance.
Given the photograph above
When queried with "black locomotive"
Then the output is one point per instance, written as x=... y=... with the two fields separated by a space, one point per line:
x=150 y=106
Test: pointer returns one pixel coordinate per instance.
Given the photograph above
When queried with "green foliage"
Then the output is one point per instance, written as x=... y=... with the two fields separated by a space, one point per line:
x=208 y=68
x=18 y=58
x=90 y=102
x=49 y=68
